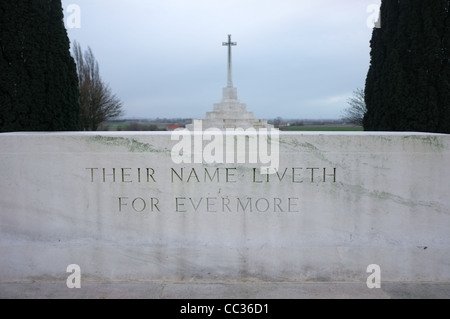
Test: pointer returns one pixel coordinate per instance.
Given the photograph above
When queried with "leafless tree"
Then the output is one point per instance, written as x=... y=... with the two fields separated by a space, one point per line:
x=354 y=114
x=97 y=102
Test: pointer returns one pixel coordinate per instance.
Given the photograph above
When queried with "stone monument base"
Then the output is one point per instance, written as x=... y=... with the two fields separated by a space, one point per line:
x=230 y=113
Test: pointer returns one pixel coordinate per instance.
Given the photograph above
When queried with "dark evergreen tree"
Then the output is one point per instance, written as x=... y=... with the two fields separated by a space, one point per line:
x=408 y=82
x=38 y=79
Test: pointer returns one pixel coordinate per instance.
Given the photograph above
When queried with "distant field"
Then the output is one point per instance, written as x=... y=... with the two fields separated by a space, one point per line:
x=322 y=128
x=147 y=125
x=133 y=126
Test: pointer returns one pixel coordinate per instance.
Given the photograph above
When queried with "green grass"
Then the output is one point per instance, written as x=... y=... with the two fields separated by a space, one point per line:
x=321 y=128
x=115 y=126
x=132 y=125
x=124 y=125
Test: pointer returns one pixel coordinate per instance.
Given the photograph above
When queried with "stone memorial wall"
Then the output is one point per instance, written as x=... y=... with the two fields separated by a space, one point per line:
x=234 y=207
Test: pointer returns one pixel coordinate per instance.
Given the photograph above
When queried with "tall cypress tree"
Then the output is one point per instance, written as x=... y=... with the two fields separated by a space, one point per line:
x=38 y=79
x=408 y=82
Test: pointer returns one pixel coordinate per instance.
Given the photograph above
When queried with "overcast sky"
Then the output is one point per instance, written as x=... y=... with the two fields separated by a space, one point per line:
x=164 y=58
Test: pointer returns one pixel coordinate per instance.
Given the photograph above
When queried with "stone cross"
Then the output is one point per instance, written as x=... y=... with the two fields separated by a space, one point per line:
x=229 y=44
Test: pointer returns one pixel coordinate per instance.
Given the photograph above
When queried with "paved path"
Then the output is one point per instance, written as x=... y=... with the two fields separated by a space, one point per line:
x=247 y=290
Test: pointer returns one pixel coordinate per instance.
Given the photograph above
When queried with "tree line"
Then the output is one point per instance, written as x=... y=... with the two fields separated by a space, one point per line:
x=408 y=83
x=42 y=86
x=45 y=88
x=38 y=79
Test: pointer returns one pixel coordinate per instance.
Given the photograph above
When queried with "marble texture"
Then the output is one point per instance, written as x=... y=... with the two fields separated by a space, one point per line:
x=117 y=205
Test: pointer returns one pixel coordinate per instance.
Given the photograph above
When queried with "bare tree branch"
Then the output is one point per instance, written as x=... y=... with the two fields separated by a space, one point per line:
x=97 y=102
x=354 y=114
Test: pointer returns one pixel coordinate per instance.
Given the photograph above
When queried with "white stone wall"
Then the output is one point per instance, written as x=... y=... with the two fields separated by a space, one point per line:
x=384 y=200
